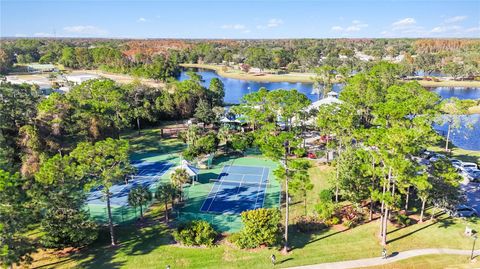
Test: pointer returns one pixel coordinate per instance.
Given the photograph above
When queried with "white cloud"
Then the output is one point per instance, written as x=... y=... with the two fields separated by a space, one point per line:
x=272 y=23
x=354 y=27
x=404 y=22
x=85 y=30
x=234 y=26
x=472 y=29
x=455 y=19
x=141 y=19
x=20 y=35
x=443 y=29
x=42 y=34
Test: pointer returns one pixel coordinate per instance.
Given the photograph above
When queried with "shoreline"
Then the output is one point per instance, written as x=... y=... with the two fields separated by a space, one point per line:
x=307 y=77
x=292 y=77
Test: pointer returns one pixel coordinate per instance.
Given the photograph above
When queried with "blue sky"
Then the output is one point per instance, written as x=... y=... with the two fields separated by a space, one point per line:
x=240 y=19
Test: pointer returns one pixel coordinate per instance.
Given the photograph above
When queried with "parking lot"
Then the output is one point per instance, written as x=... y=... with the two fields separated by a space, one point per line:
x=472 y=191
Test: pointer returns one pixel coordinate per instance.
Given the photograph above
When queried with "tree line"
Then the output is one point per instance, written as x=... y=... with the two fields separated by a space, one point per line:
x=159 y=59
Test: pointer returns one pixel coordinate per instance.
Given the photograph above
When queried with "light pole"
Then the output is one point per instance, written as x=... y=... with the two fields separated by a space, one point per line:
x=285 y=248
x=473 y=247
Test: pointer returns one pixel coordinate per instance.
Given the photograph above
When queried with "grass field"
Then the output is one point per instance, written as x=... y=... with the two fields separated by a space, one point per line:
x=152 y=247
x=291 y=77
x=458 y=153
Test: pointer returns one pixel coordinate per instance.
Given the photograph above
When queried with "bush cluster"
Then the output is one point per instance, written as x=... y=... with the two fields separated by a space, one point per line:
x=307 y=224
x=195 y=233
x=260 y=228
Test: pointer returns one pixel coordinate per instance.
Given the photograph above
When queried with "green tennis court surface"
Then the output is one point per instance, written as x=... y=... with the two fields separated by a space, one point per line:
x=257 y=179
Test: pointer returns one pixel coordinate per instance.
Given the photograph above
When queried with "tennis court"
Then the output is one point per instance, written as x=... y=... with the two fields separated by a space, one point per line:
x=148 y=175
x=237 y=189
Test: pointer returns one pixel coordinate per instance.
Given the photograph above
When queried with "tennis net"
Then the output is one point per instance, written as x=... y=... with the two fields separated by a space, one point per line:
x=240 y=183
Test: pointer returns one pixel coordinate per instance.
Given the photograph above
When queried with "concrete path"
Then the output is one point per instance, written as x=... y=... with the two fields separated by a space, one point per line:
x=379 y=261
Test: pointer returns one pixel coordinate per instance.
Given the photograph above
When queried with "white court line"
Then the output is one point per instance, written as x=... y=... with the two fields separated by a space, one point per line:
x=214 y=184
x=258 y=189
x=214 y=196
x=265 y=190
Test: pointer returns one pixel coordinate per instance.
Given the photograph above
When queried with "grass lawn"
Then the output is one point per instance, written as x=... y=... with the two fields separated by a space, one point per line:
x=432 y=262
x=237 y=74
x=458 y=153
x=319 y=176
x=152 y=247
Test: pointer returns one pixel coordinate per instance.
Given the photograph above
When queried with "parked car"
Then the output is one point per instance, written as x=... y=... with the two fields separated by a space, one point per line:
x=435 y=157
x=467 y=166
x=465 y=211
x=456 y=163
x=427 y=154
x=420 y=160
x=473 y=175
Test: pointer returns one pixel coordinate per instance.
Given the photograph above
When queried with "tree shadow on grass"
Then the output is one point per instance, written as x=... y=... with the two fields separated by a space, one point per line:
x=443 y=223
x=133 y=239
x=300 y=240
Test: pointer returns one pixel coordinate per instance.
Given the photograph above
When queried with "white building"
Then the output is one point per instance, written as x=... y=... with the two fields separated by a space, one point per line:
x=79 y=78
x=332 y=98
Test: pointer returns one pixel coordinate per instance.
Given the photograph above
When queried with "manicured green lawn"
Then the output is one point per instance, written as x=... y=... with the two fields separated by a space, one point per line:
x=152 y=247
x=458 y=153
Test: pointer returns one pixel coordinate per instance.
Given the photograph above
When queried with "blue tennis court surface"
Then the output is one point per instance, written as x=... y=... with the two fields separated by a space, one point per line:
x=148 y=175
x=238 y=188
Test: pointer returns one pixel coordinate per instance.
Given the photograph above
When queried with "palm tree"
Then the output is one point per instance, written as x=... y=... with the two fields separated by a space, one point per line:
x=178 y=178
x=165 y=193
x=192 y=135
x=138 y=197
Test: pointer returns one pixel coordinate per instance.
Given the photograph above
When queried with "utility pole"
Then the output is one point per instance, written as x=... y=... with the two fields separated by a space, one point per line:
x=285 y=248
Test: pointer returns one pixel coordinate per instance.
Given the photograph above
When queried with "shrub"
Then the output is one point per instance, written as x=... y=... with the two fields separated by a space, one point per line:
x=261 y=227
x=349 y=223
x=195 y=233
x=403 y=220
x=300 y=152
x=332 y=221
x=306 y=224
x=326 y=208
x=190 y=153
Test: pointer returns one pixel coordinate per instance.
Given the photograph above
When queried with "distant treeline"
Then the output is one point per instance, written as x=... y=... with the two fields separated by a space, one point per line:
x=159 y=59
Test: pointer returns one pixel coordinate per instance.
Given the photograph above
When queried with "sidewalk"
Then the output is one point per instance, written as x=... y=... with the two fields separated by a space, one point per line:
x=395 y=257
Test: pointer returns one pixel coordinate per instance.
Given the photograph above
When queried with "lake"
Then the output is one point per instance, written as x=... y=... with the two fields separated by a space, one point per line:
x=235 y=89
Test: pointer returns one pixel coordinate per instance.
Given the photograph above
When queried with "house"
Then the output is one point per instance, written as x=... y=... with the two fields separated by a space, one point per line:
x=41 y=68
x=332 y=98
x=79 y=78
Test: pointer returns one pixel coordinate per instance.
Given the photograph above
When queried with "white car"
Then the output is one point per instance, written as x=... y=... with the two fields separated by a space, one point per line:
x=473 y=175
x=467 y=166
x=456 y=163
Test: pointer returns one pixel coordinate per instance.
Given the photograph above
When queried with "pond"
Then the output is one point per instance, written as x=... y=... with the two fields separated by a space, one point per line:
x=235 y=89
